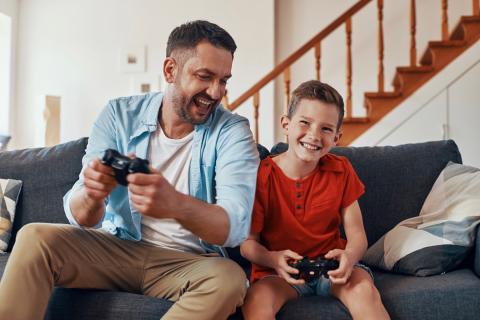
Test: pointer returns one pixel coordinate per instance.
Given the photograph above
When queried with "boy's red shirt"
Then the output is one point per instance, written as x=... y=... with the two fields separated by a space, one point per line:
x=303 y=215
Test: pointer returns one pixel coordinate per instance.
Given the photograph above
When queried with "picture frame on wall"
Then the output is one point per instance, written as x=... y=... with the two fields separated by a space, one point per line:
x=144 y=83
x=133 y=59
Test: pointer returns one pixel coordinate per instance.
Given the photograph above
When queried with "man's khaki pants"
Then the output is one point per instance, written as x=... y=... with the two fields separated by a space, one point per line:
x=48 y=255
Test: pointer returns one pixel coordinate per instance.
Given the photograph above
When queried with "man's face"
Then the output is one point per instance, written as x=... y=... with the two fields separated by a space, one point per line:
x=312 y=130
x=199 y=84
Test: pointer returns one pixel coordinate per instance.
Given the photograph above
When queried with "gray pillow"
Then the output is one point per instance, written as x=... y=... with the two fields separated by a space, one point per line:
x=441 y=237
x=9 y=192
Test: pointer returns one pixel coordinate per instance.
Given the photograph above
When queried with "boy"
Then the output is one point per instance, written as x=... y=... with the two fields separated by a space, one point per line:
x=302 y=197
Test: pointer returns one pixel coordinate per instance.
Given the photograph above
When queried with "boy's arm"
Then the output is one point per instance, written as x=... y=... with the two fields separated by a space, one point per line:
x=256 y=253
x=356 y=244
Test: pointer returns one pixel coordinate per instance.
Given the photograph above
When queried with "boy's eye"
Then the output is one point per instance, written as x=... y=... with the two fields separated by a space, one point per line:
x=327 y=129
x=303 y=122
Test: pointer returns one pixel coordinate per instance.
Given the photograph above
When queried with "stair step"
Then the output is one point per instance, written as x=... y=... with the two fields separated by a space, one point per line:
x=404 y=74
x=356 y=120
x=382 y=95
x=466 y=23
x=436 y=47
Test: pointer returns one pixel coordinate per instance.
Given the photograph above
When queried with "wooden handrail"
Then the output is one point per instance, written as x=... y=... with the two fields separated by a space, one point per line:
x=299 y=53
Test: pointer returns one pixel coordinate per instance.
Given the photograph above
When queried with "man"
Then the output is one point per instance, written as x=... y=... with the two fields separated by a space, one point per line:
x=155 y=236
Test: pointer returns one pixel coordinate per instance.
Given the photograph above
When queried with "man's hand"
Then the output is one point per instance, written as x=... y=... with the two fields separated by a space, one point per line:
x=152 y=195
x=280 y=264
x=87 y=203
x=99 y=180
x=345 y=268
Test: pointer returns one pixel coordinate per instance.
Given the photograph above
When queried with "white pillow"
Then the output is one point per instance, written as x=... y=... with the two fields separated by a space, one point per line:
x=9 y=192
x=440 y=238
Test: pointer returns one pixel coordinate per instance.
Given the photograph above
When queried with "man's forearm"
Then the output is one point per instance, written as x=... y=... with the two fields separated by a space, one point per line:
x=208 y=221
x=86 y=211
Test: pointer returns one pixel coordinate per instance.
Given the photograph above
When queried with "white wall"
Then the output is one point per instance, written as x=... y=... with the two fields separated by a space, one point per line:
x=10 y=9
x=299 y=20
x=70 y=48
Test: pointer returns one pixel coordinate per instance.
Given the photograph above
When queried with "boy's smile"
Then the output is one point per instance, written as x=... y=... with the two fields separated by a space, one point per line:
x=311 y=131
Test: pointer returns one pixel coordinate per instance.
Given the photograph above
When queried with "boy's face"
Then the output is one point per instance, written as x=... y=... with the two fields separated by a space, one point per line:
x=312 y=130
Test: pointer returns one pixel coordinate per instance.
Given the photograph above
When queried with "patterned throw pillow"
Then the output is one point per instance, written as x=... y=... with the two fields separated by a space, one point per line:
x=9 y=192
x=440 y=238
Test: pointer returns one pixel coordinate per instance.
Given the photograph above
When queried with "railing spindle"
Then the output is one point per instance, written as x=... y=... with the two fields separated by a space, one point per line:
x=476 y=7
x=256 y=105
x=225 y=101
x=286 y=80
x=348 y=29
x=318 y=54
x=381 y=85
x=444 y=20
x=413 y=23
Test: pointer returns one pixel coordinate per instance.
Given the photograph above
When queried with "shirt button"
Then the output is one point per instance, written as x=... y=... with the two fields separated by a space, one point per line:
x=298 y=184
x=299 y=207
x=299 y=195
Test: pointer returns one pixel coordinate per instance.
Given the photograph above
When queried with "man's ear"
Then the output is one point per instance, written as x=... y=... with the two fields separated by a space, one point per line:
x=170 y=69
x=284 y=122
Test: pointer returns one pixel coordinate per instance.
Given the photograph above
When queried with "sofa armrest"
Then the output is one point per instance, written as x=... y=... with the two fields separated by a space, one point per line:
x=476 y=265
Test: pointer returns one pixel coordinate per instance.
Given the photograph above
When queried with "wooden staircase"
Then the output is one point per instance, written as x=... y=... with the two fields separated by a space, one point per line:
x=409 y=79
x=406 y=81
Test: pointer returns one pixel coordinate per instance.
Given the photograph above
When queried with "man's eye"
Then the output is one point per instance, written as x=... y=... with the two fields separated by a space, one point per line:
x=327 y=129
x=303 y=122
x=204 y=76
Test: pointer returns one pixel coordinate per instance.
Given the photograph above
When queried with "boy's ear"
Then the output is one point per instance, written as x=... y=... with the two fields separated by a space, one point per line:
x=285 y=121
x=170 y=69
x=338 y=136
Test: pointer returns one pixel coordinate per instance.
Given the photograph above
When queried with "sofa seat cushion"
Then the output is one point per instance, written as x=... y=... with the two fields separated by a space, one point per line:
x=430 y=298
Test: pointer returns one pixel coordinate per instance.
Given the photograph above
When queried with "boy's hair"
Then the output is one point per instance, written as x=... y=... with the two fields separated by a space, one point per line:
x=188 y=35
x=316 y=90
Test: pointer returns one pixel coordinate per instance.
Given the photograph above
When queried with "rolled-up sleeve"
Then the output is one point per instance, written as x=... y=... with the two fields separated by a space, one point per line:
x=102 y=137
x=236 y=174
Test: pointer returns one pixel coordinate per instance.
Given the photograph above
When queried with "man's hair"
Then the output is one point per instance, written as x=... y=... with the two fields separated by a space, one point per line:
x=188 y=35
x=316 y=90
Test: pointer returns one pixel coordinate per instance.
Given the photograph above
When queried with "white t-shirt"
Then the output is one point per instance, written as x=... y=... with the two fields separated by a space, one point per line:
x=171 y=157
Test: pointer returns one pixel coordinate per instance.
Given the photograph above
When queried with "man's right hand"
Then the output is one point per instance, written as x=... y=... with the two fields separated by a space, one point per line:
x=99 y=180
x=87 y=203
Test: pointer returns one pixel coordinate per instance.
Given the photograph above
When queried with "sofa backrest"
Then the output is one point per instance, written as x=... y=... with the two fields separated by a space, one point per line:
x=397 y=179
x=47 y=174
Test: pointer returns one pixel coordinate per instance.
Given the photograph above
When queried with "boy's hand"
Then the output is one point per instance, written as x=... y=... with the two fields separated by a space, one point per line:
x=345 y=268
x=280 y=263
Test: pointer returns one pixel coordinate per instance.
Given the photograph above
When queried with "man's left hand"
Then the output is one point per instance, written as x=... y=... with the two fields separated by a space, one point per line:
x=152 y=195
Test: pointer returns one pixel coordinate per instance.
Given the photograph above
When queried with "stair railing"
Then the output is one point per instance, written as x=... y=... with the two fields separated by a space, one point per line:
x=315 y=44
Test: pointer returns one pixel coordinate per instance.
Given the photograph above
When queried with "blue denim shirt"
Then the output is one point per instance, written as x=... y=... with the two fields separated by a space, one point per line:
x=223 y=168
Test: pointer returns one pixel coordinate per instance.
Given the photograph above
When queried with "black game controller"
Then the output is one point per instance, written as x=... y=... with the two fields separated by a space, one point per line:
x=312 y=269
x=123 y=165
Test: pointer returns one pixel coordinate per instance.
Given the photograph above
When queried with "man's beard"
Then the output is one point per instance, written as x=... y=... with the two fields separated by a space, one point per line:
x=181 y=104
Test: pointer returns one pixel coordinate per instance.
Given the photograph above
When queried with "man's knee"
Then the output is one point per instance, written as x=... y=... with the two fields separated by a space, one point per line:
x=228 y=278
x=34 y=233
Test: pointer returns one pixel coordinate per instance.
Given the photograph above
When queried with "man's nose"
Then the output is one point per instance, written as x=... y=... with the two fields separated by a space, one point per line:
x=216 y=91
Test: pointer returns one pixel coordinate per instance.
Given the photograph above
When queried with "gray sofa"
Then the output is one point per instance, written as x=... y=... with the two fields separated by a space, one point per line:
x=397 y=181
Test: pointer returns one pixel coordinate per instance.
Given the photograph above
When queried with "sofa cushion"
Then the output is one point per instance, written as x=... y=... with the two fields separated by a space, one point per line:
x=47 y=174
x=448 y=296
x=442 y=235
x=83 y=304
x=397 y=179
x=9 y=192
